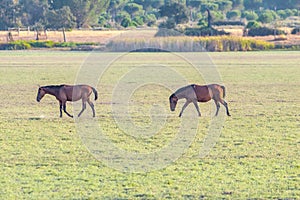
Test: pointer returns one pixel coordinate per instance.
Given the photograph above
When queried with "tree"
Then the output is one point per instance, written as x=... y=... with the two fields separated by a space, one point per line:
x=280 y=4
x=147 y=4
x=150 y=19
x=253 y=24
x=33 y=12
x=121 y=15
x=253 y=4
x=61 y=18
x=194 y=3
x=210 y=6
x=177 y=12
x=126 y=22
x=224 y=5
x=8 y=14
x=115 y=7
x=133 y=9
x=233 y=15
x=267 y=16
x=238 y=4
x=85 y=11
x=250 y=15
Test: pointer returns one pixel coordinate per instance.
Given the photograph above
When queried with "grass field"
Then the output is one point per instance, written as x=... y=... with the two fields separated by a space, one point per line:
x=256 y=157
x=103 y=37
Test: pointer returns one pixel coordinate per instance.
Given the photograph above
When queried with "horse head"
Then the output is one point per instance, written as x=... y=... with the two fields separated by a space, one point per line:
x=41 y=93
x=173 y=101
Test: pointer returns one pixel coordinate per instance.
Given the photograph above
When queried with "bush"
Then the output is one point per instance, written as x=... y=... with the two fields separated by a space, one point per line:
x=253 y=24
x=164 y=32
x=229 y=23
x=250 y=15
x=40 y=44
x=18 y=45
x=264 y=31
x=23 y=45
x=285 y=13
x=205 y=31
x=66 y=45
x=150 y=19
x=296 y=30
x=138 y=20
x=126 y=22
x=234 y=14
x=267 y=16
x=169 y=24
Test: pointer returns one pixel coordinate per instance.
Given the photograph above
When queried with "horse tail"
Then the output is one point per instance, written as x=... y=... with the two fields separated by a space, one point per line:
x=224 y=93
x=95 y=93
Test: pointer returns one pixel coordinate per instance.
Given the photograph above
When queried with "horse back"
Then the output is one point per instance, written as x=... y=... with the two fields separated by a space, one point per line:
x=218 y=91
x=75 y=92
x=202 y=92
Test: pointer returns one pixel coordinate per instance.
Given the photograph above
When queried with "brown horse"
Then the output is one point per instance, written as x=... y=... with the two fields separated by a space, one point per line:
x=199 y=93
x=64 y=93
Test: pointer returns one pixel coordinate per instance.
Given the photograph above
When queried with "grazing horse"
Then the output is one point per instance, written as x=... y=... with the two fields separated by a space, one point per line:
x=64 y=93
x=199 y=93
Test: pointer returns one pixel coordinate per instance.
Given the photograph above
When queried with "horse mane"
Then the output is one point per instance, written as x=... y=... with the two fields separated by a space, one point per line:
x=52 y=86
x=182 y=89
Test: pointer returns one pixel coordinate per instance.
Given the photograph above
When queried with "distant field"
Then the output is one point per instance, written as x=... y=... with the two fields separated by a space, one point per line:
x=102 y=37
x=256 y=156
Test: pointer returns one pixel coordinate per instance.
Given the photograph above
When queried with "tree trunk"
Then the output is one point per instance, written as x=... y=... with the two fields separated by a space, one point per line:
x=64 y=34
x=209 y=18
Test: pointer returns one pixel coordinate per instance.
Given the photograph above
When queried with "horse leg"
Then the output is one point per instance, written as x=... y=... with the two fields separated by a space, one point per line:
x=184 y=106
x=92 y=106
x=65 y=110
x=60 y=109
x=218 y=107
x=83 y=108
x=197 y=108
x=226 y=106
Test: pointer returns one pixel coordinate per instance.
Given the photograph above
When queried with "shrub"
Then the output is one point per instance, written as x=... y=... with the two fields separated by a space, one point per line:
x=41 y=44
x=138 y=20
x=66 y=44
x=169 y=24
x=164 y=32
x=126 y=22
x=253 y=24
x=228 y=23
x=285 y=13
x=267 y=16
x=250 y=15
x=264 y=31
x=150 y=19
x=296 y=30
x=204 y=31
x=18 y=45
x=234 y=14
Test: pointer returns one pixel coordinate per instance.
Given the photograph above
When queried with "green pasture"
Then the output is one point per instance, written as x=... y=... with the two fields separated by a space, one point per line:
x=256 y=157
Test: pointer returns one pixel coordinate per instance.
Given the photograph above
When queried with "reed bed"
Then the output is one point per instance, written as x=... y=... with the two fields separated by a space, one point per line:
x=189 y=44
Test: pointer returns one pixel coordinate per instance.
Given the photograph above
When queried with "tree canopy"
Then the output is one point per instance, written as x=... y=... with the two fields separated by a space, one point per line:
x=56 y=14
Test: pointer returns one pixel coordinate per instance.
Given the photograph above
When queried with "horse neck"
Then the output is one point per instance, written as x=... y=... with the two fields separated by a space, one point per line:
x=51 y=91
x=180 y=94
